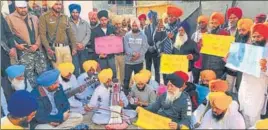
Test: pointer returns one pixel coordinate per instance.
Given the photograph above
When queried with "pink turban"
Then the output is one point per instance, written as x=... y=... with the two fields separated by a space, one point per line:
x=136 y=20
x=92 y=14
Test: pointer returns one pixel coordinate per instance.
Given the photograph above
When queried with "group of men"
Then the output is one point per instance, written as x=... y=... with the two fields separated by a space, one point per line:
x=51 y=75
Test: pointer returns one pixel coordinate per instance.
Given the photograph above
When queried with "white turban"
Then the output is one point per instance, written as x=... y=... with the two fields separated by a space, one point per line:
x=20 y=3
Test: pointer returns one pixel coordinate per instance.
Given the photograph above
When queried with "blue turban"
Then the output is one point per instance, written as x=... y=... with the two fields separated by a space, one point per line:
x=175 y=80
x=185 y=26
x=15 y=71
x=48 y=78
x=21 y=104
x=73 y=7
x=151 y=14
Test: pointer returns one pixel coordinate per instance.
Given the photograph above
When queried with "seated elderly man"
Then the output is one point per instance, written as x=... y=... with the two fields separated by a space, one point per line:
x=22 y=107
x=174 y=104
x=141 y=94
x=90 y=67
x=54 y=109
x=69 y=83
x=223 y=113
x=16 y=76
x=101 y=100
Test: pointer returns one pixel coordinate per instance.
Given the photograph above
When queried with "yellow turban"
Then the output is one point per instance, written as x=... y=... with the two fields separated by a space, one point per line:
x=87 y=65
x=218 y=85
x=32 y=2
x=208 y=75
x=105 y=75
x=51 y=3
x=147 y=73
x=245 y=24
x=66 y=68
x=219 y=100
x=117 y=19
x=262 y=124
x=140 y=78
x=203 y=18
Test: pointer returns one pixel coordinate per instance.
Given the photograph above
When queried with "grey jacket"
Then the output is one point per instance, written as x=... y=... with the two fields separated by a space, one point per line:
x=82 y=31
x=135 y=43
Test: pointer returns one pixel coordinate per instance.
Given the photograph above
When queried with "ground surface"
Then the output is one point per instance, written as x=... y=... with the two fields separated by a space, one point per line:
x=87 y=120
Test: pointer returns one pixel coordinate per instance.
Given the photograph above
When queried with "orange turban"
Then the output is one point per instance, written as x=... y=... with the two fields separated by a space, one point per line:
x=92 y=14
x=245 y=24
x=218 y=86
x=87 y=65
x=262 y=124
x=236 y=11
x=219 y=100
x=66 y=68
x=202 y=18
x=140 y=78
x=174 y=11
x=208 y=75
x=218 y=16
x=262 y=29
x=105 y=75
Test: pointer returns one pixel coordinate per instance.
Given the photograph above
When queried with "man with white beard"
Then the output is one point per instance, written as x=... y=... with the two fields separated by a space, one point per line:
x=174 y=104
x=17 y=79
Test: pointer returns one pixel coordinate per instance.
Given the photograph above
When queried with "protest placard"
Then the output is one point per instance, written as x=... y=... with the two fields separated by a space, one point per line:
x=171 y=63
x=149 y=120
x=216 y=45
x=245 y=58
x=109 y=45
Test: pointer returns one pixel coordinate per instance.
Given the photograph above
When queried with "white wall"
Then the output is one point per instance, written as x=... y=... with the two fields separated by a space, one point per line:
x=86 y=6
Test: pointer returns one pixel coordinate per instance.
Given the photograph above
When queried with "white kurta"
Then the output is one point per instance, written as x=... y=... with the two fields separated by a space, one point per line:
x=76 y=106
x=101 y=98
x=88 y=91
x=251 y=96
x=231 y=120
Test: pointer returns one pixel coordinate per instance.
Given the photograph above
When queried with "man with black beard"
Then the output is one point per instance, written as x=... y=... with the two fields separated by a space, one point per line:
x=135 y=45
x=54 y=109
x=174 y=104
x=22 y=108
x=223 y=114
x=69 y=82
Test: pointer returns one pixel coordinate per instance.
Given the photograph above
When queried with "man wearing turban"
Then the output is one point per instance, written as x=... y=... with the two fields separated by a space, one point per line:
x=82 y=33
x=102 y=97
x=16 y=76
x=93 y=19
x=135 y=45
x=69 y=82
x=233 y=15
x=202 y=22
x=252 y=99
x=174 y=104
x=104 y=29
x=211 y=62
x=223 y=114
x=22 y=108
x=243 y=36
x=142 y=19
x=150 y=82
x=260 y=18
x=141 y=94
x=57 y=35
x=91 y=72
x=53 y=106
x=27 y=41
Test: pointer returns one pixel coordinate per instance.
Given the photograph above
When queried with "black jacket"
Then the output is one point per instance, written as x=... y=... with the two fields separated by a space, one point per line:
x=97 y=32
x=189 y=47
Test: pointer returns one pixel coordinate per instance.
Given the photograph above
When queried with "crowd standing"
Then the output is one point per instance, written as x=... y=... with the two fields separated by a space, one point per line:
x=48 y=61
